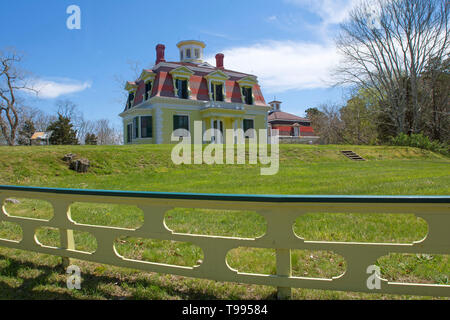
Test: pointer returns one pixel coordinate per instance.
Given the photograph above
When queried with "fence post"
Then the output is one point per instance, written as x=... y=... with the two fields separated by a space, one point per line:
x=67 y=242
x=284 y=269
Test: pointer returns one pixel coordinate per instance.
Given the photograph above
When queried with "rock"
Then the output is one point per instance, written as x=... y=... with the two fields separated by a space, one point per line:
x=13 y=201
x=69 y=157
x=80 y=165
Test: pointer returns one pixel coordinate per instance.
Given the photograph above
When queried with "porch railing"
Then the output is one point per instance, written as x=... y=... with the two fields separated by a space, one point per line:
x=280 y=213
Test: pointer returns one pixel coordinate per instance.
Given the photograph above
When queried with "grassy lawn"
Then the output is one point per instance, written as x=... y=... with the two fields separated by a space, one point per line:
x=303 y=170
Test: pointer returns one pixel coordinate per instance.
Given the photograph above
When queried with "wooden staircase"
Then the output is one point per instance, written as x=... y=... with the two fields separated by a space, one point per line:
x=352 y=156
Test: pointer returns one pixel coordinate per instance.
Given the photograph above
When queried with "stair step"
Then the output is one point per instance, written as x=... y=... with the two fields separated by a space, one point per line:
x=352 y=155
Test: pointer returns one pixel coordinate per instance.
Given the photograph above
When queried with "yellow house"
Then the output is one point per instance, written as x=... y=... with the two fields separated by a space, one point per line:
x=172 y=95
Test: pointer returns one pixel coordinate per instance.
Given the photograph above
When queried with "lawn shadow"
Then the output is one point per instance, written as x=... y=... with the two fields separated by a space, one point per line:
x=51 y=281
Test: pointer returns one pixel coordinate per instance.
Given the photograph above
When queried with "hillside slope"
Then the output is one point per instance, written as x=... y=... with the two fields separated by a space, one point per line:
x=303 y=169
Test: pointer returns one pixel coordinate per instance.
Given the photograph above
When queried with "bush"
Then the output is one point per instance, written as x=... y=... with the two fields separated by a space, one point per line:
x=420 y=141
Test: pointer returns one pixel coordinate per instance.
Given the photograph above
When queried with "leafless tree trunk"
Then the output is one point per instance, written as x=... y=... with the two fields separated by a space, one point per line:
x=11 y=83
x=107 y=134
x=329 y=125
x=135 y=69
x=390 y=55
x=40 y=119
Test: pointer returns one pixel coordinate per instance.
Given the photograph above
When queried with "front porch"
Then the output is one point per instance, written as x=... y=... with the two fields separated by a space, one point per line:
x=221 y=119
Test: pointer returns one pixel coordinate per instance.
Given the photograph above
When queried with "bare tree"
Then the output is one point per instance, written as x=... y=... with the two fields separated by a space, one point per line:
x=135 y=69
x=12 y=82
x=389 y=55
x=106 y=133
x=40 y=119
x=327 y=123
x=85 y=127
x=332 y=127
x=68 y=109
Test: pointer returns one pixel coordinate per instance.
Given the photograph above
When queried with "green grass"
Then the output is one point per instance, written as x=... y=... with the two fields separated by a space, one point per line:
x=303 y=170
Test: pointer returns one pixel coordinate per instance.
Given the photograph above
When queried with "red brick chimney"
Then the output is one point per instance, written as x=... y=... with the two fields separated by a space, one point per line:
x=219 y=60
x=160 y=53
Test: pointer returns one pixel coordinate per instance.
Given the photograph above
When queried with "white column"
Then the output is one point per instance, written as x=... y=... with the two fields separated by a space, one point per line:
x=211 y=130
x=203 y=129
x=219 y=138
x=235 y=125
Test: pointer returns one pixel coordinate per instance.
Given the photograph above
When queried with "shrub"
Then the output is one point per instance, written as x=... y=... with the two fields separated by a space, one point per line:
x=420 y=141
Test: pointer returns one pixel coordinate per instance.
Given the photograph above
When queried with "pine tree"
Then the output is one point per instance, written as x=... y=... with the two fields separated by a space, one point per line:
x=63 y=133
x=26 y=132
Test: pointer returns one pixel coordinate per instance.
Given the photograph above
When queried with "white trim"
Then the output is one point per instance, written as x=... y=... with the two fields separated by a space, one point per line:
x=203 y=69
x=158 y=125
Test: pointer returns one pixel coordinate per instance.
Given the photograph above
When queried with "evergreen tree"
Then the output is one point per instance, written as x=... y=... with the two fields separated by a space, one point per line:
x=90 y=139
x=63 y=133
x=26 y=132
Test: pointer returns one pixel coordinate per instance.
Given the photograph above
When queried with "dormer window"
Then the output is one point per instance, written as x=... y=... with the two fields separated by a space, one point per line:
x=182 y=88
x=181 y=77
x=148 y=90
x=247 y=95
x=217 y=92
x=147 y=77
x=130 y=100
x=247 y=84
x=217 y=81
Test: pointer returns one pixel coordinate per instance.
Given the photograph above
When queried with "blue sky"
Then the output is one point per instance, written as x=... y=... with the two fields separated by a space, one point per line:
x=288 y=44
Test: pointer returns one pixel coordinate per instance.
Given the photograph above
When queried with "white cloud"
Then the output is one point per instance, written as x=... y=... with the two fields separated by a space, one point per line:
x=331 y=11
x=284 y=65
x=50 y=89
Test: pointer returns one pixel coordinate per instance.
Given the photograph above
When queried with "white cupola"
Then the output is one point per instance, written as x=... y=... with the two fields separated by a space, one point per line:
x=191 y=51
x=275 y=105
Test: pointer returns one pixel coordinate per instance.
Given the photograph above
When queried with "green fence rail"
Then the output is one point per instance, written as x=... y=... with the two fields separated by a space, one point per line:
x=280 y=213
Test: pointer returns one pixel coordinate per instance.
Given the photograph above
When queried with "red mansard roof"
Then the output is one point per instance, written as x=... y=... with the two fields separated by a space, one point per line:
x=163 y=83
x=284 y=116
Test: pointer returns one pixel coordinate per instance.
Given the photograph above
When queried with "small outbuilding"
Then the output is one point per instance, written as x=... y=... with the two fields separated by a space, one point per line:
x=291 y=128
x=40 y=138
